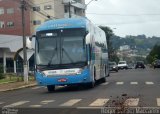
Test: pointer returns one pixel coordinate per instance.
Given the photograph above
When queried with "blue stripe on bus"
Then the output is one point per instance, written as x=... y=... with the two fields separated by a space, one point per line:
x=84 y=77
x=63 y=24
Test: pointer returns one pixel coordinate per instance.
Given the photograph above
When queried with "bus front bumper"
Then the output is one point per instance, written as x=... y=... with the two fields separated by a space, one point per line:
x=84 y=77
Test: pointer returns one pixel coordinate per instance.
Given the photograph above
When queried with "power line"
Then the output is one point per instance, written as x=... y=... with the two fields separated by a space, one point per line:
x=105 y=14
x=31 y=5
x=44 y=2
x=128 y=23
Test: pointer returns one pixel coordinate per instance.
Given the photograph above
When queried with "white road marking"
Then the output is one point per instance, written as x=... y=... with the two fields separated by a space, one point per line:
x=36 y=87
x=134 y=83
x=132 y=102
x=17 y=104
x=158 y=101
x=99 y=102
x=35 y=106
x=47 y=101
x=2 y=103
x=106 y=83
x=71 y=102
x=149 y=83
x=119 y=83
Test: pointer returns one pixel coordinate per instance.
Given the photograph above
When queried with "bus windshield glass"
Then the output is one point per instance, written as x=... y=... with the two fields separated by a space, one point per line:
x=58 y=47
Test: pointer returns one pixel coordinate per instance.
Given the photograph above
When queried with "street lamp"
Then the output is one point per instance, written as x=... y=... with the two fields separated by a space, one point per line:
x=90 y=2
x=69 y=3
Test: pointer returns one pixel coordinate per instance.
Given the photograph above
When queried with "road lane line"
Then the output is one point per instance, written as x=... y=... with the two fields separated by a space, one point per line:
x=106 y=83
x=158 y=101
x=71 y=102
x=47 y=101
x=132 y=102
x=149 y=83
x=17 y=104
x=35 y=106
x=119 y=83
x=99 y=102
x=134 y=83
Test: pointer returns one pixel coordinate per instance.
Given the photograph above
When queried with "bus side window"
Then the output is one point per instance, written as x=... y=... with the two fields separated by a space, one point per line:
x=90 y=52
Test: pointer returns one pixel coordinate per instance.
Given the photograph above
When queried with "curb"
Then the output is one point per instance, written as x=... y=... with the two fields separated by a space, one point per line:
x=21 y=87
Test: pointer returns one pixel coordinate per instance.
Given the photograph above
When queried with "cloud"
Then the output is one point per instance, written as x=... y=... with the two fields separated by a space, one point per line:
x=130 y=17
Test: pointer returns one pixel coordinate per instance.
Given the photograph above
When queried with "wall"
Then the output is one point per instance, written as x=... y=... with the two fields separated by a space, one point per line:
x=15 y=17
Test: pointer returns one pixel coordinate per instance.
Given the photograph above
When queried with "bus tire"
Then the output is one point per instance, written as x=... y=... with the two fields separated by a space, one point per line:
x=51 y=88
x=91 y=85
x=105 y=70
x=103 y=80
x=108 y=75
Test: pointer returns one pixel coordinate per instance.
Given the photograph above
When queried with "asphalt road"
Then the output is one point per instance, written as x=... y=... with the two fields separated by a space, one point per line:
x=127 y=88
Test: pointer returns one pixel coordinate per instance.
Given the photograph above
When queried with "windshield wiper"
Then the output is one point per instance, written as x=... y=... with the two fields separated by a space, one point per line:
x=53 y=54
x=63 y=50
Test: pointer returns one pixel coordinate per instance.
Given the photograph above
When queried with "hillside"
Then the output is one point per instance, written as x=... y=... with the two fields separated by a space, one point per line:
x=140 y=42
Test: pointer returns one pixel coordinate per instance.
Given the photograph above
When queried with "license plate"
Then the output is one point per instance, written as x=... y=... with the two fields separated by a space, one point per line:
x=62 y=80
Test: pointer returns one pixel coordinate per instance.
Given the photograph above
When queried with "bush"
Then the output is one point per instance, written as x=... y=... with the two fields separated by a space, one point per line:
x=1 y=72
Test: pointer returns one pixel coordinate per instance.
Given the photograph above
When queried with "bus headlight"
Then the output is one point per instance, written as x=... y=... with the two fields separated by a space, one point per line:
x=41 y=72
x=79 y=71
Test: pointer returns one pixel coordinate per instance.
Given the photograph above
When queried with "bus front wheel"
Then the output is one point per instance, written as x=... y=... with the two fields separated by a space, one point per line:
x=51 y=88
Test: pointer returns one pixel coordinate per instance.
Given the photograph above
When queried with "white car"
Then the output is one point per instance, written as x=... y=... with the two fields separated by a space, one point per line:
x=122 y=65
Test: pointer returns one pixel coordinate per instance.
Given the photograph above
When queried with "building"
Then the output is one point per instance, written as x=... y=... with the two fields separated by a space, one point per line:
x=124 y=48
x=55 y=9
x=37 y=12
x=9 y=45
x=10 y=18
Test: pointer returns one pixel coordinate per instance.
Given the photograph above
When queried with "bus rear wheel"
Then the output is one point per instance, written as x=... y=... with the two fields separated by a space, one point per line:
x=103 y=80
x=51 y=88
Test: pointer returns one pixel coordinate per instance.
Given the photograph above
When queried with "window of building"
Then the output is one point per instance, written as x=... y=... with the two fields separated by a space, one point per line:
x=65 y=9
x=36 y=22
x=36 y=8
x=1 y=11
x=75 y=10
x=79 y=1
x=10 y=24
x=1 y=24
x=47 y=7
x=10 y=10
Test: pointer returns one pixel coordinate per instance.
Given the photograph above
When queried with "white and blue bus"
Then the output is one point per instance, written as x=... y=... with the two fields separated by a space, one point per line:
x=70 y=51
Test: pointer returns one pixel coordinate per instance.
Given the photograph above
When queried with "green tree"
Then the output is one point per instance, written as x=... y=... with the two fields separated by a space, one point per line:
x=109 y=34
x=154 y=54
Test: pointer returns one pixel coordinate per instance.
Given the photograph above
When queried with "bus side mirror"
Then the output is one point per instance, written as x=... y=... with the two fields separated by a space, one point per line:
x=31 y=37
x=88 y=38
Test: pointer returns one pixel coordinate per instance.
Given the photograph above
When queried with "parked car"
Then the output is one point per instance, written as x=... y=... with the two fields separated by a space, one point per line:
x=156 y=64
x=140 y=64
x=113 y=66
x=122 y=65
x=131 y=66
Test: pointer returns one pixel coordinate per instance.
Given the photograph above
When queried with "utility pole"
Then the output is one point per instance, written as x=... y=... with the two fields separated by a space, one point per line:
x=25 y=66
x=70 y=9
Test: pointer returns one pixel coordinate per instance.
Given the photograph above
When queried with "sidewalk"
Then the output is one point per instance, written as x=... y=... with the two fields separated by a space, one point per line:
x=16 y=85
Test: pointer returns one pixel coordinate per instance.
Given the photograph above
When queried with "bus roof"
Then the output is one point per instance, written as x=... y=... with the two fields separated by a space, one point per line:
x=63 y=24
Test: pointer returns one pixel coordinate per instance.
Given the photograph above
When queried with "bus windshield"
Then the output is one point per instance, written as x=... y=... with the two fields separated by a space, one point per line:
x=61 y=47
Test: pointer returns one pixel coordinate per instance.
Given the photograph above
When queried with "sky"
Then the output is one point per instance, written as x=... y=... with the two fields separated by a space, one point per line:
x=126 y=17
